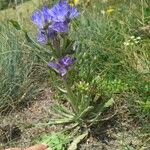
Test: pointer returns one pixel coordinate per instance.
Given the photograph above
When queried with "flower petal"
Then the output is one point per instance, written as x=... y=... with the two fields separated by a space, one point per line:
x=62 y=71
x=60 y=26
x=67 y=61
x=46 y=13
x=42 y=37
x=37 y=18
x=73 y=13
x=63 y=11
x=59 y=12
x=51 y=33
x=58 y=68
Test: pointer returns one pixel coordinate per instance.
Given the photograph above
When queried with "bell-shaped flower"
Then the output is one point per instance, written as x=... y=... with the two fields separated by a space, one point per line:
x=42 y=17
x=63 y=11
x=42 y=37
x=43 y=20
x=62 y=66
x=61 y=15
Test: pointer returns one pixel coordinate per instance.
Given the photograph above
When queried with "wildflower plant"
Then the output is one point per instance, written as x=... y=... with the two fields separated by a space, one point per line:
x=53 y=27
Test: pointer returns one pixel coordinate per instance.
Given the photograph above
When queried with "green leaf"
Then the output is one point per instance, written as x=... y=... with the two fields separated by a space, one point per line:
x=61 y=121
x=77 y=140
x=62 y=90
x=15 y=24
x=64 y=109
x=18 y=27
x=61 y=110
x=27 y=37
x=109 y=103
x=85 y=112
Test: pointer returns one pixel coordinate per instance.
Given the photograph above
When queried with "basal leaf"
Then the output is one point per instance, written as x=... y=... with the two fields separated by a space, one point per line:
x=77 y=140
x=15 y=24
x=109 y=103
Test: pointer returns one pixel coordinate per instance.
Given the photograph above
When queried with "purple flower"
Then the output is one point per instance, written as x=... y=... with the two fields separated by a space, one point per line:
x=58 y=68
x=62 y=65
x=42 y=37
x=41 y=17
x=66 y=61
x=37 y=18
x=51 y=21
x=46 y=14
x=60 y=26
x=63 y=11
x=61 y=15
x=51 y=33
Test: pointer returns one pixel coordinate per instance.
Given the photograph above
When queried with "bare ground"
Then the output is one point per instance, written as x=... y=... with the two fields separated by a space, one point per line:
x=19 y=128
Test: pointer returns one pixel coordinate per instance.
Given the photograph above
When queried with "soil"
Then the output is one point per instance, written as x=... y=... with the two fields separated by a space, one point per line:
x=20 y=127
x=26 y=122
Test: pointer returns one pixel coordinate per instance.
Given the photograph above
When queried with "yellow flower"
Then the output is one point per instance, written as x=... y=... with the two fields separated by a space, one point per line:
x=110 y=10
x=73 y=2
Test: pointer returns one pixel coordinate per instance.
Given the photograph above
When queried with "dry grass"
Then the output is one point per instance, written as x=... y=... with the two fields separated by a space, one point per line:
x=22 y=10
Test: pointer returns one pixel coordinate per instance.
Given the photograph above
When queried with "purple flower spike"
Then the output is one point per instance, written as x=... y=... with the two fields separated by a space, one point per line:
x=61 y=15
x=54 y=20
x=62 y=66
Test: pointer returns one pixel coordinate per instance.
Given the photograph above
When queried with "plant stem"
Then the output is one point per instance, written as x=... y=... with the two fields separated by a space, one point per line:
x=71 y=96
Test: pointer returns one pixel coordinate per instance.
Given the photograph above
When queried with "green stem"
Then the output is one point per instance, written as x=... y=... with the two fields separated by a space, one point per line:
x=70 y=95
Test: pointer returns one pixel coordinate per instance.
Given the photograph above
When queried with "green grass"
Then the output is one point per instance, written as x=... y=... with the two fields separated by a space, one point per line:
x=19 y=83
x=19 y=63
x=7 y=3
x=22 y=12
x=106 y=63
